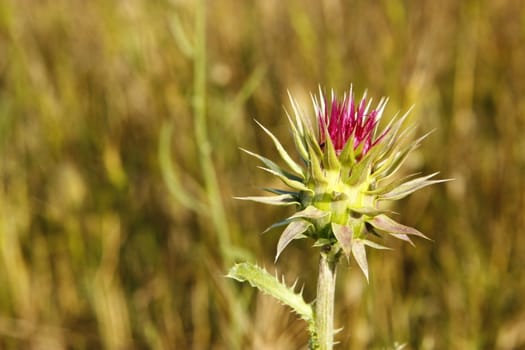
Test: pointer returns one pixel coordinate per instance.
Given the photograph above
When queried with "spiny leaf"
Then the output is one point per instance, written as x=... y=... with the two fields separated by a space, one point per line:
x=317 y=217
x=272 y=165
x=361 y=169
x=391 y=186
x=380 y=148
x=347 y=155
x=277 y=224
x=303 y=124
x=293 y=231
x=384 y=223
x=368 y=211
x=310 y=212
x=282 y=152
x=374 y=245
x=391 y=165
x=298 y=185
x=396 y=123
x=298 y=139
x=403 y=237
x=315 y=166
x=283 y=199
x=279 y=191
x=359 y=253
x=344 y=236
x=409 y=187
x=381 y=108
x=269 y=284
x=391 y=139
x=321 y=242
x=330 y=160
x=313 y=144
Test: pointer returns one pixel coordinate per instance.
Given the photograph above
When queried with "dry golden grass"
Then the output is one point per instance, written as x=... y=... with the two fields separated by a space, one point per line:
x=116 y=219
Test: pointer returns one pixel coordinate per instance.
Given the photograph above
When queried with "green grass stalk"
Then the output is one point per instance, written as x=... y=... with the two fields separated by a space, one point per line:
x=217 y=211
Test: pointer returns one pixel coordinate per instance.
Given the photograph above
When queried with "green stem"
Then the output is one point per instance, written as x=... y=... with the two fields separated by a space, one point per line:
x=324 y=305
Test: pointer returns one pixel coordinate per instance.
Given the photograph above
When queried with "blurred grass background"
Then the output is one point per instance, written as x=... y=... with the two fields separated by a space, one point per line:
x=120 y=123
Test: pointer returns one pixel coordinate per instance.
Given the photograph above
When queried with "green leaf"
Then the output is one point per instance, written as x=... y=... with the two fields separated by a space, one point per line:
x=384 y=223
x=359 y=253
x=293 y=231
x=283 y=199
x=282 y=152
x=269 y=284
x=344 y=235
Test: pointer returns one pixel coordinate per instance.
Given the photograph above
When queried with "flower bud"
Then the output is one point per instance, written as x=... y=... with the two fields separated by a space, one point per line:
x=346 y=171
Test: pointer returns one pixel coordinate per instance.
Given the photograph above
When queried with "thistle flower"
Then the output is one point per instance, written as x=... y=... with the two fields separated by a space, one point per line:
x=347 y=171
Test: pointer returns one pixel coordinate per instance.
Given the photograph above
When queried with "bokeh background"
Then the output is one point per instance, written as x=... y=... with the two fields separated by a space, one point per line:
x=120 y=123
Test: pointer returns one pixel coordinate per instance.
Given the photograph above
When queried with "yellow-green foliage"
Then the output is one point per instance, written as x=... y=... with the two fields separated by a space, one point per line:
x=120 y=123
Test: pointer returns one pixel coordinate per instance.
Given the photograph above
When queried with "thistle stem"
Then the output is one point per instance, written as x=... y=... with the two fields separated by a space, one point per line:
x=324 y=305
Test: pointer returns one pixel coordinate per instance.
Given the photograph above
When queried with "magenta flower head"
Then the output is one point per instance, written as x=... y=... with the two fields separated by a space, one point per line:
x=344 y=175
x=345 y=121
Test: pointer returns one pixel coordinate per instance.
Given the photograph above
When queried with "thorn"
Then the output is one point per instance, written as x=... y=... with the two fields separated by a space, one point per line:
x=294 y=284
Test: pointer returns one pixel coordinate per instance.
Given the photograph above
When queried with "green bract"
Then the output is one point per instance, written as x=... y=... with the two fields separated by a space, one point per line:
x=347 y=169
